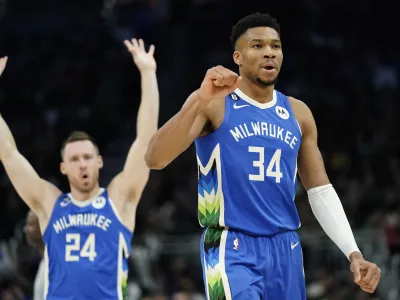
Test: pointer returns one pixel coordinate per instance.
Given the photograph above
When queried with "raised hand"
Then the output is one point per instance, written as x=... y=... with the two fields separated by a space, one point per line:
x=143 y=60
x=218 y=83
x=3 y=63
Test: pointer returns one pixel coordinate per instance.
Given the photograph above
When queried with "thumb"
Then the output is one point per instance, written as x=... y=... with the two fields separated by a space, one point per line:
x=357 y=274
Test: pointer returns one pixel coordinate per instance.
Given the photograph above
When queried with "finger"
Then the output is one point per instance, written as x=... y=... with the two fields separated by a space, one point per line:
x=375 y=280
x=135 y=44
x=229 y=76
x=215 y=76
x=219 y=79
x=141 y=44
x=356 y=271
x=370 y=273
x=226 y=74
x=151 y=50
x=128 y=45
x=231 y=88
x=367 y=289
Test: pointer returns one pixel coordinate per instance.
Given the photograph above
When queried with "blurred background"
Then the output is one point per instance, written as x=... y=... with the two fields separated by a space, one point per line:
x=69 y=70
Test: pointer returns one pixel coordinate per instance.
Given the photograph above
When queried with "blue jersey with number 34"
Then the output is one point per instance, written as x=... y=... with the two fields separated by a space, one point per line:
x=87 y=249
x=247 y=167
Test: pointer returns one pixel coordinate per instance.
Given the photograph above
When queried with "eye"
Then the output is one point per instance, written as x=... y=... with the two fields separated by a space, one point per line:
x=257 y=46
x=276 y=46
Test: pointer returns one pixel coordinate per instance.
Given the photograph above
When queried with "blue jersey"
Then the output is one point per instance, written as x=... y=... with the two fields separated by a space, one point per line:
x=247 y=167
x=87 y=249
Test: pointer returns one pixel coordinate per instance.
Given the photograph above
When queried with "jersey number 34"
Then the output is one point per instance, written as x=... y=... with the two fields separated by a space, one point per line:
x=273 y=168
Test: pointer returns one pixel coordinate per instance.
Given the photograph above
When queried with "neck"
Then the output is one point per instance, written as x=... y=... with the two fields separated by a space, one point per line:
x=262 y=94
x=82 y=196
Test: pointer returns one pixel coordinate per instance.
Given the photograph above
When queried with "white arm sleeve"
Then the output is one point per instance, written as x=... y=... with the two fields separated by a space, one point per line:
x=328 y=210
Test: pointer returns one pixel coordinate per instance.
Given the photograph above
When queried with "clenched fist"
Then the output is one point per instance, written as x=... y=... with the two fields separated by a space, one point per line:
x=366 y=274
x=218 y=83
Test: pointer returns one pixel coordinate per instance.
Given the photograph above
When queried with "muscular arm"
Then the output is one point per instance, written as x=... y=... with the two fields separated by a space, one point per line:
x=37 y=193
x=324 y=201
x=311 y=165
x=180 y=131
x=177 y=134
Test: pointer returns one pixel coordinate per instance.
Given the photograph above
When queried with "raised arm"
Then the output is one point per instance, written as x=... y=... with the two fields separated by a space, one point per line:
x=37 y=193
x=181 y=130
x=130 y=183
x=325 y=203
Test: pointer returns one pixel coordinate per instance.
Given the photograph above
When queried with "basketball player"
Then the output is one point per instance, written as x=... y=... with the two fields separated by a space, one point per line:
x=87 y=232
x=251 y=140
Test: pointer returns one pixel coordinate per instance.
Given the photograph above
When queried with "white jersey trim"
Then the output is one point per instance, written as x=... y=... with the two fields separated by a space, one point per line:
x=256 y=103
x=85 y=202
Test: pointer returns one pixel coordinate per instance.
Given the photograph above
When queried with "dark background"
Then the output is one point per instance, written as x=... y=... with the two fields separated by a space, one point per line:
x=69 y=70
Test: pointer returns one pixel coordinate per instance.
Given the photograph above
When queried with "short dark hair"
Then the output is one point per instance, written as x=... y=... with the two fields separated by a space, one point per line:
x=77 y=136
x=252 y=21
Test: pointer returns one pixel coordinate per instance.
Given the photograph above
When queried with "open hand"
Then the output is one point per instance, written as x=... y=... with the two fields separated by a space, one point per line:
x=143 y=60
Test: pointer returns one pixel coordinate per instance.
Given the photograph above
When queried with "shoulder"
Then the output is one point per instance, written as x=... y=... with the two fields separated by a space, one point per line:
x=299 y=107
x=302 y=113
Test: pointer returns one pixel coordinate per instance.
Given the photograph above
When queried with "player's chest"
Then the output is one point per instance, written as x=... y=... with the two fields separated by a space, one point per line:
x=263 y=129
x=83 y=221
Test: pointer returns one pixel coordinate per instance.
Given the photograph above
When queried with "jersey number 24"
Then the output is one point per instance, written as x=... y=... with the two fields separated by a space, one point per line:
x=74 y=252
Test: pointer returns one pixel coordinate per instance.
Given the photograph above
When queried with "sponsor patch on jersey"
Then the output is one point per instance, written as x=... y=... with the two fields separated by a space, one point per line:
x=65 y=202
x=282 y=112
x=99 y=202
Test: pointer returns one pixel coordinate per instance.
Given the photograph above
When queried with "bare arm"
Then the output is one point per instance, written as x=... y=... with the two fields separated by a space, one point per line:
x=177 y=134
x=135 y=175
x=37 y=193
x=180 y=131
x=311 y=165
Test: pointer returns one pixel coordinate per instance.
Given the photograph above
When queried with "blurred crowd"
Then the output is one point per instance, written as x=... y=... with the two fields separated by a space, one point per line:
x=68 y=70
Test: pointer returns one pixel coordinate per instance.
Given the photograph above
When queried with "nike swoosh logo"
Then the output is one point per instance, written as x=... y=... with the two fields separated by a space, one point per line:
x=235 y=106
x=294 y=245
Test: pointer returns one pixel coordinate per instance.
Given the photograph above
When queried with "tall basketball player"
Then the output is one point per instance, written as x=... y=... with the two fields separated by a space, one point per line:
x=88 y=232
x=251 y=140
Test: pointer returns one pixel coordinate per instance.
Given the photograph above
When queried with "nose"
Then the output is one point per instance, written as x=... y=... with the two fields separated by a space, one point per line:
x=269 y=52
x=82 y=163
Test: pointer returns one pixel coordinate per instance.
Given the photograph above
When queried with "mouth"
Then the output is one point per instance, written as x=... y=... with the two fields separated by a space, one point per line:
x=269 y=68
x=85 y=176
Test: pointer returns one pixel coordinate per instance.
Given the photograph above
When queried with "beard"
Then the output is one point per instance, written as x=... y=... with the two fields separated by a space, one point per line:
x=265 y=83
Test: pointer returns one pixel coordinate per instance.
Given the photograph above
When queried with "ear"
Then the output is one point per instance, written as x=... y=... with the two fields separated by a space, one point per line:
x=63 y=169
x=237 y=58
x=100 y=161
